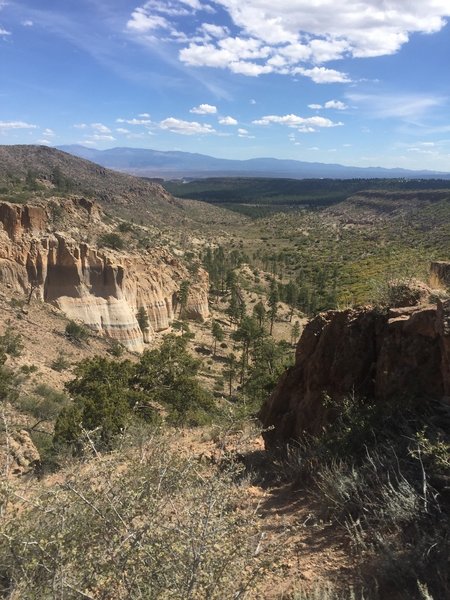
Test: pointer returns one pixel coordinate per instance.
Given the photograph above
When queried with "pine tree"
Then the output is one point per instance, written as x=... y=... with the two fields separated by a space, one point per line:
x=217 y=333
x=273 y=303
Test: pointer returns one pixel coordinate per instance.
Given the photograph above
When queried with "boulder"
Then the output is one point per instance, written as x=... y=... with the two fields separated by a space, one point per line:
x=398 y=354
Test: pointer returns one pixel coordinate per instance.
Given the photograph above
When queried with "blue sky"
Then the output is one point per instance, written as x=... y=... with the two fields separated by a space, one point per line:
x=358 y=82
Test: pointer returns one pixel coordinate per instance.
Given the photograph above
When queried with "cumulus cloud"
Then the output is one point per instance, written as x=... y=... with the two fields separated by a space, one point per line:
x=323 y=75
x=27 y=23
x=48 y=132
x=5 y=125
x=100 y=128
x=332 y=104
x=4 y=32
x=185 y=127
x=204 y=109
x=301 y=124
x=228 y=121
x=142 y=22
x=288 y=36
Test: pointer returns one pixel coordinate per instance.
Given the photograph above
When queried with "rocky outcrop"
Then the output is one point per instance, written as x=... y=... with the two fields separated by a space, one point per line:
x=18 y=454
x=440 y=274
x=103 y=289
x=403 y=353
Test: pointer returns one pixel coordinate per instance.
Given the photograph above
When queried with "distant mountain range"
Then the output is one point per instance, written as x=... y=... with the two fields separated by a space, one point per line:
x=169 y=165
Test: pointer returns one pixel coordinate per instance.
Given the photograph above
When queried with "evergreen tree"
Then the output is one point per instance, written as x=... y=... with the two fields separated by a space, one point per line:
x=273 y=303
x=259 y=312
x=217 y=333
x=183 y=295
x=231 y=372
x=295 y=332
x=142 y=319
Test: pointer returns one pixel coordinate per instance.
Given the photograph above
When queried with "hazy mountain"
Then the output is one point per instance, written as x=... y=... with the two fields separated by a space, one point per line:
x=155 y=163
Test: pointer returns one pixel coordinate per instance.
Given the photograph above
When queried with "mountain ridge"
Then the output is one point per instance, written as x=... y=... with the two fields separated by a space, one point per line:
x=170 y=164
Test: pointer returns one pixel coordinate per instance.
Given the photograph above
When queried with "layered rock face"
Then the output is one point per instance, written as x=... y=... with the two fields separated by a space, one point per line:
x=402 y=354
x=101 y=288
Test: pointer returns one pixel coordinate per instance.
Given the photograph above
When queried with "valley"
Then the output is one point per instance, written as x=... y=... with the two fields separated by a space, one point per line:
x=223 y=388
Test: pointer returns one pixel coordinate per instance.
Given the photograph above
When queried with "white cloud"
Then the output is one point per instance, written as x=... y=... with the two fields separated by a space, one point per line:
x=4 y=125
x=4 y=32
x=27 y=23
x=102 y=137
x=43 y=142
x=228 y=121
x=288 y=36
x=323 y=75
x=336 y=105
x=142 y=22
x=100 y=128
x=302 y=124
x=122 y=130
x=244 y=133
x=333 y=104
x=185 y=127
x=215 y=31
x=204 y=109
x=48 y=132
x=144 y=116
x=134 y=121
x=81 y=126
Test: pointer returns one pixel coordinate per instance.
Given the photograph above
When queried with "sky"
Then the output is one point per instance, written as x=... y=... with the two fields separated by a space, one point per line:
x=355 y=82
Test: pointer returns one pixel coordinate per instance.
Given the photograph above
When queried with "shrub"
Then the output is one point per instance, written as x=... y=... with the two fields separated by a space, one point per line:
x=116 y=349
x=44 y=404
x=125 y=227
x=112 y=240
x=102 y=401
x=161 y=528
x=60 y=363
x=76 y=332
x=11 y=342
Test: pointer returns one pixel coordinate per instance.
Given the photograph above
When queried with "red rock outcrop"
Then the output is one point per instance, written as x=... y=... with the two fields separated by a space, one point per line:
x=104 y=289
x=400 y=354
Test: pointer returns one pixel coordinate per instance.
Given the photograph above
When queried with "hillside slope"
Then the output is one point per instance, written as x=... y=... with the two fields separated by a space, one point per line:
x=40 y=169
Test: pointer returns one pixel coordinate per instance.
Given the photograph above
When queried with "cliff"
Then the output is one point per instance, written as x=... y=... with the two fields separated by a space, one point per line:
x=104 y=289
x=400 y=354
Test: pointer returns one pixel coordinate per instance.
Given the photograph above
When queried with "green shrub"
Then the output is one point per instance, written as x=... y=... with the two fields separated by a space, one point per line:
x=11 y=342
x=125 y=227
x=112 y=240
x=28 y=369
x=76 y=332
x=60 y=363
x=44 y=404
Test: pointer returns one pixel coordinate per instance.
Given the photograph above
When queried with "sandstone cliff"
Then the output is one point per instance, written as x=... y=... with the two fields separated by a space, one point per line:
x=104 y=289
x=403 y=353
